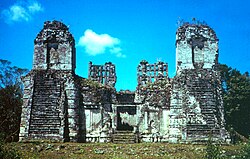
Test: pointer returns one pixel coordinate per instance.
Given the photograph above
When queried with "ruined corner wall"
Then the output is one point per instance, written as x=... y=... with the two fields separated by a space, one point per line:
x=104 y=74
x=153 y=101
x=196 y=108
x=51 y=98
x=96 y=110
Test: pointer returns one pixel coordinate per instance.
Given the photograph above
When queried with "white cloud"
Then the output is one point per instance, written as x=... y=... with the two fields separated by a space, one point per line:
x=21 y=12
x=117 y=52
x=35 y=7
x=100 y=43
x=16 y=13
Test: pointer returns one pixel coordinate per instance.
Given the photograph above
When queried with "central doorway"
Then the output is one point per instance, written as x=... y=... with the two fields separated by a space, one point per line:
x=131 y=110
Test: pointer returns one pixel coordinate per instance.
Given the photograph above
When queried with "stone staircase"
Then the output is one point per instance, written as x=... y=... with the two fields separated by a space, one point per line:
x=45 y=121
x=122 y=137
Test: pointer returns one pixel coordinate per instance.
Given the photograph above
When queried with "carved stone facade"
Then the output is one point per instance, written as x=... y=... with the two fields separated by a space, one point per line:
x=60 y=105
x=104 y=74
x=147 y=73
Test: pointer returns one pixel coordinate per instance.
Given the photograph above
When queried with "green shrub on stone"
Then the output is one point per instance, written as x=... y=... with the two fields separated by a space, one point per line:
x=212 y=150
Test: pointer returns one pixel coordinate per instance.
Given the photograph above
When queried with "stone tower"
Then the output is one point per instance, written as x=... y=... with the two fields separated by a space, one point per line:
x=196 y=47
x=196 y=107
x=54 y=48
x=50 y=108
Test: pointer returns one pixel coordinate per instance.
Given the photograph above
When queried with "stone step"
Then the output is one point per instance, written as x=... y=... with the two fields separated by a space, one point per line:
x=119 y=141
x=199 y=132
x=43 y=76
x=45 y=104
x=47 y=96
x=46 y=84
x=47 y=118
x=46 y=122
x=124 y=137
x=46 y=110
x=45 y=136
x=49 y=107
x=123 y=132
x=46 y=115
x=45 y=92
x=41 y=132
x=34 y=128
x=44 y=128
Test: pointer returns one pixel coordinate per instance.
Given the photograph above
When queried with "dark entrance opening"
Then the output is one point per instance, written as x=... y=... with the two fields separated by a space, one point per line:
x=131 y=110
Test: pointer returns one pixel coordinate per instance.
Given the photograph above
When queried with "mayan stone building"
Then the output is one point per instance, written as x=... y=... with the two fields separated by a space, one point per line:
x=196 y=108
x=59 y=105
x=50 y=102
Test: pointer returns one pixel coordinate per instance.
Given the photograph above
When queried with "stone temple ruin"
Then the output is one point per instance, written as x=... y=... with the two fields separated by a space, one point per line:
x=59 y=105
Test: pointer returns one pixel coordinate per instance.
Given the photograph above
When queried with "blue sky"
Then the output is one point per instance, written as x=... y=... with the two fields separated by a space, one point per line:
x=124 y=31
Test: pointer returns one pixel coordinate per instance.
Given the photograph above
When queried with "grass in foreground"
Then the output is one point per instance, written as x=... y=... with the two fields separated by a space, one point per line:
x=116 y=151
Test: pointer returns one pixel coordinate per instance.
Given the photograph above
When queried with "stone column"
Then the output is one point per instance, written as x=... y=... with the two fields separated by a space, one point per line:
x=26 y=107
x=73 y=108
x=146 y=120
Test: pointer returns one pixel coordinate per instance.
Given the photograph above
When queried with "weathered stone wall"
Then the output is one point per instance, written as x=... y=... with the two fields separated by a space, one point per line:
x=54 y=48
x=96 y=110
x=149 y=73
x=196 y=107
x=28 y=83
x=125 y=97
x=153 y=99
x=196 y=47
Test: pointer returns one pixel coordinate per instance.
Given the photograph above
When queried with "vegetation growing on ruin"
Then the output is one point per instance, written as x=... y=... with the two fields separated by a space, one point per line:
x=84 y=82
x=194 y=21
x=160 y=84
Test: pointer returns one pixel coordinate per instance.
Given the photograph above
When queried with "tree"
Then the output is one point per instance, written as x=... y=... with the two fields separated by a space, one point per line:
x=236 y=98
x=10 y=100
